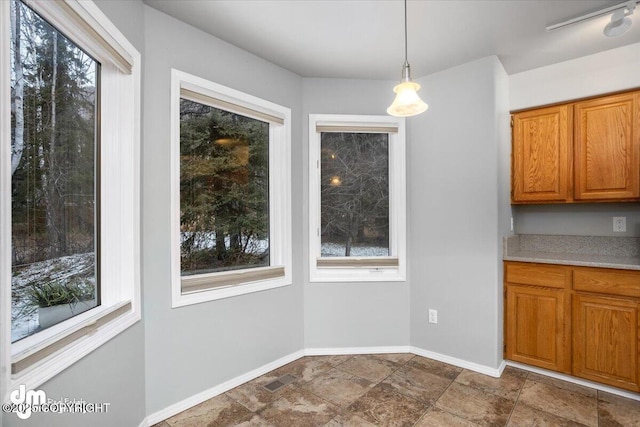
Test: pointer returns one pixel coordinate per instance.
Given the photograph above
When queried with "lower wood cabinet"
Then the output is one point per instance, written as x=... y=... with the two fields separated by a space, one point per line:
x=605 y=340
x=575 y=320
x=537 y=330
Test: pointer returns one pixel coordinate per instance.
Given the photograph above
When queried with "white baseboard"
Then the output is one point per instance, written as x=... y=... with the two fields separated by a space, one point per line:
x=198 y=398
x=335 y=351
x=482 y=369
x=502 y=366
x=574 y=380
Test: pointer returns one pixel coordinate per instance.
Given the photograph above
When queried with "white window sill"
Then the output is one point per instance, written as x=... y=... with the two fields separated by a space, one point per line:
x=34 y=365
x=216 y=291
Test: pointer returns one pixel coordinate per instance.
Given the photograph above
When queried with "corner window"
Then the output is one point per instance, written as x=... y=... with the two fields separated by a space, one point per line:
x=357 y=198
x=69 y=216
x=231 y=197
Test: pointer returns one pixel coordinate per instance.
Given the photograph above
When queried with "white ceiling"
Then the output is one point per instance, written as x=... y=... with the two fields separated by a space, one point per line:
x=365 y=38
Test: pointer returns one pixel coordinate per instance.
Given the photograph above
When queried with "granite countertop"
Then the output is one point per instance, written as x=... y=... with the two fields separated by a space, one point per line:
x=588 y=251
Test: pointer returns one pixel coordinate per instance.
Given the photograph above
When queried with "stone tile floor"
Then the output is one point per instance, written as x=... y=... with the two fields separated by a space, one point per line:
x=407 y=390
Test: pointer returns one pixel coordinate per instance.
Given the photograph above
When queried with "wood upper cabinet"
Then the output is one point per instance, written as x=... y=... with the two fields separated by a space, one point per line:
x=605 y=340
x=607 y=148
x=541 y=151
x=578 y=152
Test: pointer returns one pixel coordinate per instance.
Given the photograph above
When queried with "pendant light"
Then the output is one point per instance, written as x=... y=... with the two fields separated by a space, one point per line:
x=407 y=102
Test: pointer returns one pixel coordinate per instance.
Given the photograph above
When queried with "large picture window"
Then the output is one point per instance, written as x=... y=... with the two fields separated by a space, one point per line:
x=357 y=194
x=231 y=192
x=69 y=182
x=54 y=142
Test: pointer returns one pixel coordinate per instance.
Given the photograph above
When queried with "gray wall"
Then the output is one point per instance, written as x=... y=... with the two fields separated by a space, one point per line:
x=194 y=348
x=577 y=219
x=566 y=81
x=113 y=373
x=350 y=314
x=455 y=214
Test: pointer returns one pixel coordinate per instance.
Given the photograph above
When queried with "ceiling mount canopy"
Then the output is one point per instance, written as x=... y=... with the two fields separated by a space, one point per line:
x=407 y=102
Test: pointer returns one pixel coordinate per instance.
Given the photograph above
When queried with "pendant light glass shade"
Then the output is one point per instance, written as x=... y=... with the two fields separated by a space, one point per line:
x=407 y=102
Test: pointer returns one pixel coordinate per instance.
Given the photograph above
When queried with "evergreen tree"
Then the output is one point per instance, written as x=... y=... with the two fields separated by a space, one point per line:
x=224 y=187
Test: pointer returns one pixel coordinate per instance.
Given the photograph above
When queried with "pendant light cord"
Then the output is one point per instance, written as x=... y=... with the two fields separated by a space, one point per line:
x=405 y=32
x=406 y=70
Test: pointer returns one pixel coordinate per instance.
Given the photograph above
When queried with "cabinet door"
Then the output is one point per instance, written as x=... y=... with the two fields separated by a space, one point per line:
x=607 y=148
x=540 y=169
x=538 y=327
x=605 y=340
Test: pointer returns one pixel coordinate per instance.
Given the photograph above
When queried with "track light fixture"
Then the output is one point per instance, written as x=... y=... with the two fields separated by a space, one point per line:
x=620 y=21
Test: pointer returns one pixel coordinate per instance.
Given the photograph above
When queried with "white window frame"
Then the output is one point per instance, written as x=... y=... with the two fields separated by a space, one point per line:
x=360 y=269
x=37 y=358
x=193 y=289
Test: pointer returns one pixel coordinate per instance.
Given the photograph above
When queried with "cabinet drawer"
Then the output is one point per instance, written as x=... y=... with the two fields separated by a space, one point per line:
x=624 y=283
x=549 y=276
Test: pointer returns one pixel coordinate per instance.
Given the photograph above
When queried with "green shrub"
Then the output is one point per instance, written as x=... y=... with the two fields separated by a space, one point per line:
x=57 y=293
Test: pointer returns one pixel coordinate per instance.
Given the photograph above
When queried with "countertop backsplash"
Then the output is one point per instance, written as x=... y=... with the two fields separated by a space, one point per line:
x=590 y=251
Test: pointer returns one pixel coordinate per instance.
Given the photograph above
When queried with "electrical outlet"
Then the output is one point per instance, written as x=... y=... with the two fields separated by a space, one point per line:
x=619 y=224
x=433 y=316
x=511 y=223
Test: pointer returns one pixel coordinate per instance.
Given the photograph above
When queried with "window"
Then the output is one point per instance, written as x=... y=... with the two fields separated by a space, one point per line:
x=69 y=245
x=54 y=270
x=231 y=192
x=356 y=198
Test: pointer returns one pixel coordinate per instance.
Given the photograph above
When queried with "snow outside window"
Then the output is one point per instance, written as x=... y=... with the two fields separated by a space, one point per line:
x=231 y=192
x=357 y=198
